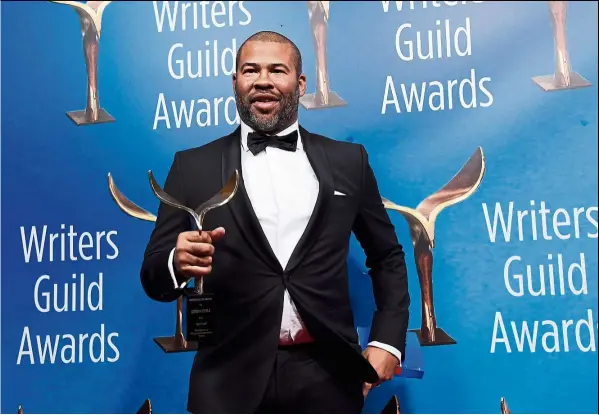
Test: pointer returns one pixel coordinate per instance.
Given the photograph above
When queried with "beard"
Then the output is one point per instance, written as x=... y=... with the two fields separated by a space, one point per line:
x=269 y=123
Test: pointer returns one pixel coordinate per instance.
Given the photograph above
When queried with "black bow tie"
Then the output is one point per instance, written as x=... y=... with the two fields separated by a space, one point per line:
x=257 y=142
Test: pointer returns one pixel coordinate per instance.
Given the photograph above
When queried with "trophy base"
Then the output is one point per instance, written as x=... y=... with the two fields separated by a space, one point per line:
x=79 y=117
x=548 y=84
x=441 y=338
x=171 y=345
x=310 y=102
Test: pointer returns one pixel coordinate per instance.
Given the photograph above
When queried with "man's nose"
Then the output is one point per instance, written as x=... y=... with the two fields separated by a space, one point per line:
x=263 y=80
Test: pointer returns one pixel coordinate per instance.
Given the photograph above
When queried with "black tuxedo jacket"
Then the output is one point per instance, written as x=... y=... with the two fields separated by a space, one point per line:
x=230 y=374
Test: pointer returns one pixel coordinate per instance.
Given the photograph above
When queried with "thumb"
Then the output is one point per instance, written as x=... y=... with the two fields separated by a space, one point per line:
x=217 y=234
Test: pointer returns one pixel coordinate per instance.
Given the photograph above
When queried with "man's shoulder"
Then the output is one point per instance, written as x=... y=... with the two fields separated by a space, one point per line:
x=206 y=150
x=337 y=144
x=340 y=153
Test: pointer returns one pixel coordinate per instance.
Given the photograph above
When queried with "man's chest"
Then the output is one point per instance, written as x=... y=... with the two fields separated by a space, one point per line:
x=282 y=186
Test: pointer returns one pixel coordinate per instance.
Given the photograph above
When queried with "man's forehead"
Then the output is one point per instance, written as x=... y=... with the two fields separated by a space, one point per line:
x=266 y=52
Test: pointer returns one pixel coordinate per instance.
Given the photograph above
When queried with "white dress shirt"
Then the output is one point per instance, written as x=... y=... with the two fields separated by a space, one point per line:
x=282 y=188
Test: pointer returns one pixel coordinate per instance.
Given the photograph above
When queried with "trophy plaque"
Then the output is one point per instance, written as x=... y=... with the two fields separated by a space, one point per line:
x=421 y=222
x=392 y=407
x=564 y=77
x=196 y=308
x=90 y=18
x=323 y=97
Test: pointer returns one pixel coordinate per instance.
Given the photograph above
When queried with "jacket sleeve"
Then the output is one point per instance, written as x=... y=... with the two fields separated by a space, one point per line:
x=158 y=281
x=385 y=260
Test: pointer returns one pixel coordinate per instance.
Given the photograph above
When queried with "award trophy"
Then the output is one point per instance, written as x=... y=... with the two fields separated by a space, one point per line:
x=318 y=12
x=564 y=77
x=199 y=305
x=504 y=407
x=392 y=406
x=197 y=321
x=421 y=222
x=90 y=18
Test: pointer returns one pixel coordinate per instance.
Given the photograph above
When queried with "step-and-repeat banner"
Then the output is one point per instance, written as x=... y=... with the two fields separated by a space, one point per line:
x=480 y=119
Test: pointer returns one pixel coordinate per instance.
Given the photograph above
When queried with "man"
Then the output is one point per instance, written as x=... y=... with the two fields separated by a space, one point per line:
x=283 y=338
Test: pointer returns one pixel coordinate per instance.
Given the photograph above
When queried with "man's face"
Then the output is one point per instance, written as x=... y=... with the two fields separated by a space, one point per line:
x=267 y=87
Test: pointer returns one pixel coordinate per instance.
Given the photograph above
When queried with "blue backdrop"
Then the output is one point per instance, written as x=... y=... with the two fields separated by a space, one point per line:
x=540 y=149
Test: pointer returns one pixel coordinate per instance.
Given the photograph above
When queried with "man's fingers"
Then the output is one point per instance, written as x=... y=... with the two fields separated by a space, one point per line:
x=385 y=374
x=205 y=236
x=189 y=259
x=217 y=234
x=195 y=236
x=200 y=249
x=193 y=271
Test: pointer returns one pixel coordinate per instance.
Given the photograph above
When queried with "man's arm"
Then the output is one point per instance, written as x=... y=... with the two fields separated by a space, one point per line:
x=159 y=278
x=385 y=259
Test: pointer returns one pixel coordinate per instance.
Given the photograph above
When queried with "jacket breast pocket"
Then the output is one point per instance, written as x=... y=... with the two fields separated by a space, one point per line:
x=342 y=213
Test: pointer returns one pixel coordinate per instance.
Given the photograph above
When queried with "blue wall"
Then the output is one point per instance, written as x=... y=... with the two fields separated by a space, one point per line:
x=540 y=147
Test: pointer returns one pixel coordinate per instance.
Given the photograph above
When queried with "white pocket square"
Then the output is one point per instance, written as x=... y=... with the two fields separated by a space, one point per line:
x=337 y=193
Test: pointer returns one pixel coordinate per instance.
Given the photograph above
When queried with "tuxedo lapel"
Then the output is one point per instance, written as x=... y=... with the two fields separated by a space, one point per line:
x=320 y=164
x=241 y=207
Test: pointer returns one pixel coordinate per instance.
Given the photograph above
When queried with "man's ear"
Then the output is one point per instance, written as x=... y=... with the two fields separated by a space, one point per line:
x=302 y=84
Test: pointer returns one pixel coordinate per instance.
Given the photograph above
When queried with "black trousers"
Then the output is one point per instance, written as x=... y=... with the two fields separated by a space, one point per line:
x=304 y=381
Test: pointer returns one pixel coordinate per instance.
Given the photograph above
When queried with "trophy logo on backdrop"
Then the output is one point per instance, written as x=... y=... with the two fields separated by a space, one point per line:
x=323 y=97
x=90 y=18
x=564 y=77
x=421 y=222
x=192 y=321
x=504 y=408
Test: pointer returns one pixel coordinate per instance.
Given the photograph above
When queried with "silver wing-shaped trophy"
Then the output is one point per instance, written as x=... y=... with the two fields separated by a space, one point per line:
x=178 y=342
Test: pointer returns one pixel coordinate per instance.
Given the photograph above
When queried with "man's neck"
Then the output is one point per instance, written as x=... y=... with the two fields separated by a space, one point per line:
x=273 y=132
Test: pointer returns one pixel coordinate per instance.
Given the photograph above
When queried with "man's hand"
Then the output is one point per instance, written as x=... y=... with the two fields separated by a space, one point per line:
x=383 y=362
x=193 y=252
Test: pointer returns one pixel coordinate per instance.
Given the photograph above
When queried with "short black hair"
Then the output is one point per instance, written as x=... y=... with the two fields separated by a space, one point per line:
x=268 y=36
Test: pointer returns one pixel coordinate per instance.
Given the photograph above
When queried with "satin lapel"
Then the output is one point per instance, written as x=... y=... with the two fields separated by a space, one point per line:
x=320 y=165
x=241 y=207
